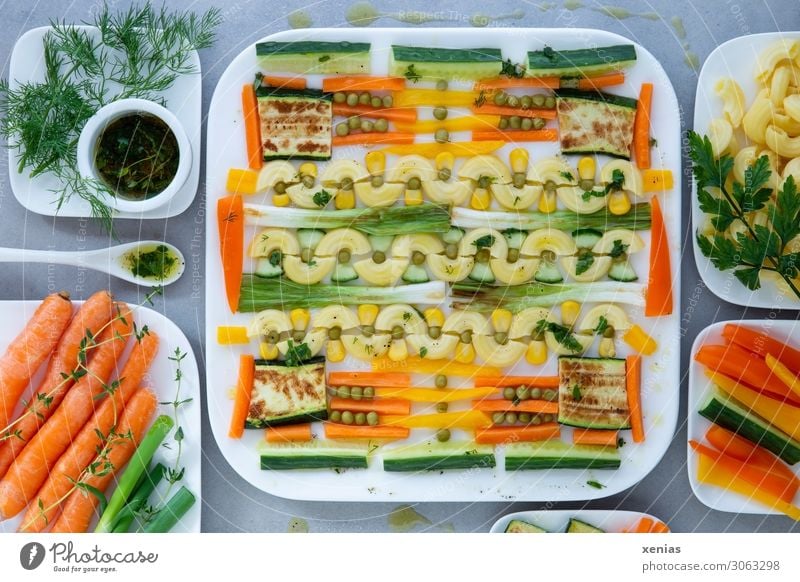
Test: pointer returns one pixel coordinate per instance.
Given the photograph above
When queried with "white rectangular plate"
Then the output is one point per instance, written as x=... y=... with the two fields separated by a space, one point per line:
x=700 y=389
x=556 y=520
x=184 y=99
x=734 y=59
x=161 y=379
x=660 y=381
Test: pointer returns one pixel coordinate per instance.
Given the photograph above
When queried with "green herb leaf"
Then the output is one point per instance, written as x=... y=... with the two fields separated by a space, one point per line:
x=411 y=74
x=322 y=198
x=296 y=354
x=485 y=241
x=512 y=70
x=576 y=393
x=602 y=325
x=423 y=351
x=618 y=249
x=589 y=194
x=562 y=334
x=584 y=262
x=617 y=182
x=595 y=484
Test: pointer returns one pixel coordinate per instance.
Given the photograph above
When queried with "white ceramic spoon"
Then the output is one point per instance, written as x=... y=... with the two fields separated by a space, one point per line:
x=112 y=260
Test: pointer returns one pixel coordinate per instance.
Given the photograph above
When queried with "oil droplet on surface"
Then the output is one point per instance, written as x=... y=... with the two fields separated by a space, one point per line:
x=362 y=14
x=573 y=4
x=649 y=15
x=616 y=12
x=300 y=19
x=545 y=6
x=405 y=518
x=297 y=525
x=677 y=24
x=479 y=20
x=692 y=60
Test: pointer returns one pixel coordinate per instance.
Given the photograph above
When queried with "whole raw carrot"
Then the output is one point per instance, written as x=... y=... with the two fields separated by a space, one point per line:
x=30 y=469
x=46 y=505
x=79 y=508
x=30 y=349
x=92 y=316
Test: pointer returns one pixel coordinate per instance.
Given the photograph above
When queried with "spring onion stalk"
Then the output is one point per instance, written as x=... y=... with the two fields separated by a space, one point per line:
x=378 y=221
x=258 y=294
x=172 y=512
x=137 y=465
x=139 y=498
x=485 y=298
x=637 y=218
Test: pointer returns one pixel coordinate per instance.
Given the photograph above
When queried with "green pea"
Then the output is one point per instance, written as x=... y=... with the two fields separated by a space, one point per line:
x=366 y=125
x=509 y=393
x=538 y=100
x=515 y=121
x=352 y=99
x=342 y=129
x=503 y=123
x=376 y=181
x=435 y=332
x=536 y=393
x=364 y=98
x=466 y=337
x=280 y=187
x=335 y=333
x=441 y=407
x=379 y=257
x=440 y=381
x=306 y=255
x=398 y=332
x=441 y=85
x=372 y=418
x=443 y=435
x=550 y=102
x=347 y=417
x=444 y=174
x=388 y=101
x=414 y=183
x=547 y=418
x=498 y=417
x=440 y=113
x=308 y=181
x=500 y=98
x=526 y=102
x=550 y=395
x=441 y=135
x=513 y=255
x=343 y=256
x=609 y=331
x=273 y=337
x=523 y=393
x=381 y=125
x=484 y=182
x=501 y=337
x=451 y=251
x=356 y=392
x=536 y=420
x=586 y=184
x=298 y=336
x=335 y=416
x=526 y=124
x=346 y=183
x=538 y=123
x=418 y=258
x=368 y=330
x=513 y=101
x=483 y=256
x=511 y=418
x=354 y=122
x=525 y=417
x=361 y=418
x=376 y=102
x=339 y=97
x=369 y=392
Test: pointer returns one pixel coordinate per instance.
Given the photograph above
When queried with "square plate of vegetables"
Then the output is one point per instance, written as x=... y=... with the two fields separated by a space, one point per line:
x=746 y=158
x=109 y=404
x=428 y=276
x=744 y=417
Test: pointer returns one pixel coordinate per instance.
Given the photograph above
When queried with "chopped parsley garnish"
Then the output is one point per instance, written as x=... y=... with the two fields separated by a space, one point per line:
x=576 y=393
x=567 y=176
x=562 y=334
x=584 y=262
x=423 y=351
x=512 y=69
x=411 y=74
x=595 y=484
x=589 y=194
x=485 y=241
x=617 y=182
x=324 y=58
x=602 y=325
x=618 y=250
x=322 y=198
x=296 y=354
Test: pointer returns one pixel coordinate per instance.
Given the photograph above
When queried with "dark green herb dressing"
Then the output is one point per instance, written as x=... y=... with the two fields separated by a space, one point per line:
x=137 y=155
x=155 y=262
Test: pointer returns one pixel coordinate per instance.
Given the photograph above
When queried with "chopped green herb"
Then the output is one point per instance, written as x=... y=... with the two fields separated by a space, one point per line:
x=619 y=249
x=602 y=325
x=589 y=194
x=576 y=393
x=617 y=182
x=595 y=484
x=584 y=262
x=158 y=263
x=480 y=99
x=423 y=351
x=322 y=198
x=324 y=58
x=567 y=176
x=485 y=241
x=296 y=354
x=411 y=74
x=512 y=69
x=562 y=334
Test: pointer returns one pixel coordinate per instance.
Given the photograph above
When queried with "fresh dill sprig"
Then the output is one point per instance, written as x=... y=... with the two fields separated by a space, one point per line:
x=136 y=53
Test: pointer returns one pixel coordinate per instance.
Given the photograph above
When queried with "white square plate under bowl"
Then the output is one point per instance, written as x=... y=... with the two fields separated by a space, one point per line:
x=161 y=379
x=700 y=389
x=660 y=372
x=556 y=520
x=183 y=99
x=735 y=59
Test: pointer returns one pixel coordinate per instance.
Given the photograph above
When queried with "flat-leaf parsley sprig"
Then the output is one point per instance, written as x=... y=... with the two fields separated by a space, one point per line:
x=760 y=247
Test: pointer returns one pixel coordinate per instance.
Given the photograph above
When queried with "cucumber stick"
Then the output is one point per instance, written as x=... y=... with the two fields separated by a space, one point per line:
x=560 y=455
x=549 y=62
x=314 y=57
x=435 y=456
x=432 y=64
x=314 y=455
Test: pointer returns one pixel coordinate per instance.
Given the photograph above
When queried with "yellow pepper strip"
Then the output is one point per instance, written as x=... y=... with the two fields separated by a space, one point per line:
x=231 y=335
x=417 y=365
x=435 y=394
x=657 y=180
x=268 y=351
x=460 y=149
x=242 y=181
x=783 y=373
x=638 y=339
x=710 y=472
x=434 y=98
x=464 y=123
x=785 y=416
x=464 y=419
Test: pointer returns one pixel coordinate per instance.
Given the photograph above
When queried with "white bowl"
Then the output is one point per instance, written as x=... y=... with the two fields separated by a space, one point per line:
x=99 y=121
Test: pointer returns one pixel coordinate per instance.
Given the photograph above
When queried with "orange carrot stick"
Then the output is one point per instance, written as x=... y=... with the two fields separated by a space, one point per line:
x=252 y=127
x=740 y=448
x=283 y=82
x=658 y=299
x=762 y=344
x=641 y=127
x=514 y=381
x=644 y=526
x=515 y=135
x=31 y=468
x=498 y=435
x=290 y=433
x=382 y=406
x=92 y=315
x=230 y=221
x=518 y=83
x=594 y=83
x=588 y=436
x=30 y=349
x=503 y=405
x=358 y=378
x=375 y=137
x=401 y=114
x=363 y=83
x=47 y=503
x=633 y=388
x=659 y=527
x=491 y=109
x=79 y=508
x=344 y=431
x=244 y=391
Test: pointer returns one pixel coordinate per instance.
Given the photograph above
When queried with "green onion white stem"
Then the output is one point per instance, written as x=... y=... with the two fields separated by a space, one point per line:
x=477 y=297
x=638 y=218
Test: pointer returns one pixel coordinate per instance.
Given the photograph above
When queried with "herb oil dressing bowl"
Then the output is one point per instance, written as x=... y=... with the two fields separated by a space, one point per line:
x=90 y=141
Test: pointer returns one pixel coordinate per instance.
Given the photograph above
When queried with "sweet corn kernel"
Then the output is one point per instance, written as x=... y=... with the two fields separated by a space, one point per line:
x=465 y=353
x=445 y=160
x=232 y=334
x=299 y=318
x=413 y=197
x=519 y=160
x=586 y=168
x=607 y=349
x=345 y=199
x=376 y=162
x=548 y=202
x=619 y=203
x=367 y=313
x=334 y=350
x=480 y=199
x=268 y=351
x=398 y=351
x=434 y=317
x=569 y=312
x=280 y=200
x=501 y=320
x=536 y=353
x=308 y=169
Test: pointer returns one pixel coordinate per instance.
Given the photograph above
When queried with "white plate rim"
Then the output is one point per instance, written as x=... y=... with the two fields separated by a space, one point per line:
x=595 y=517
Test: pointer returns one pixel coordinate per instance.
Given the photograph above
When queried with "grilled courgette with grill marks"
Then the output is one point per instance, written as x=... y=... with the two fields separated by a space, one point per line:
x=295 y=123
x=592 y=393
x=593 y=122
x=284 y=394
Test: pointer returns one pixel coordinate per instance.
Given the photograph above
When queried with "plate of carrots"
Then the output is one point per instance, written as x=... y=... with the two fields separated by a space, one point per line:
x=100 y=418
x=744 y=417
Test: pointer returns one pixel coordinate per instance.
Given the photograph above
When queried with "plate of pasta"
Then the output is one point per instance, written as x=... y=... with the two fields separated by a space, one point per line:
x=746 y=163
